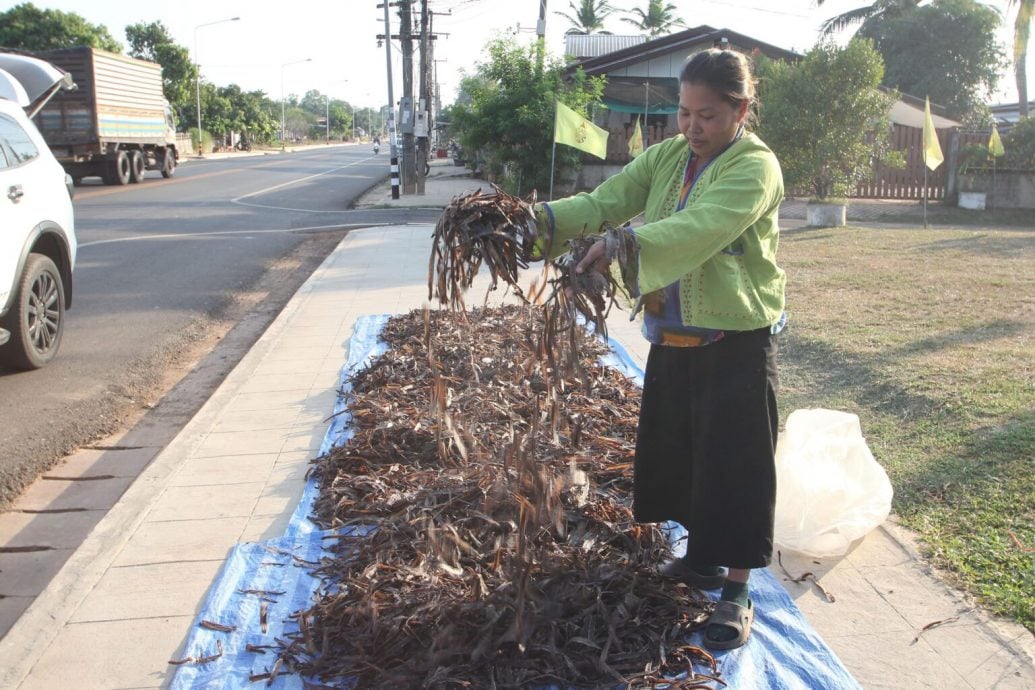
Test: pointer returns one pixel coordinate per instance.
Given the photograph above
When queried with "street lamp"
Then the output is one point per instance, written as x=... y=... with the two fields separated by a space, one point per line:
x=197 y=65
x=283 y=118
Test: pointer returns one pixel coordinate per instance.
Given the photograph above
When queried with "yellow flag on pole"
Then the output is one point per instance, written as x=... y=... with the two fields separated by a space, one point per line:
x=932 y=149
x=574 y=130
x=636 y=140
x=995 y=144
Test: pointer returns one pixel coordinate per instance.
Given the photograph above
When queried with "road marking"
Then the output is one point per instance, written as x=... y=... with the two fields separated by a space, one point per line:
x=89 y=193
x=240 y=200
x=182 y=235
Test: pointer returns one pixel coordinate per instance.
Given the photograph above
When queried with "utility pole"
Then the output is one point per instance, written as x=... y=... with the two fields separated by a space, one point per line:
x=391 y=107
x=406 y=106
x=424 y=98
x=540 y=30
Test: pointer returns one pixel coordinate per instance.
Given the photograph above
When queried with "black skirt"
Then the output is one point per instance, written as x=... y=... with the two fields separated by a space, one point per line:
x=705 y=448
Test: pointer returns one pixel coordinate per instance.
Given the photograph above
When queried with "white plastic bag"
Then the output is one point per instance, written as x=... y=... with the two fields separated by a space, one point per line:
x=830 y=490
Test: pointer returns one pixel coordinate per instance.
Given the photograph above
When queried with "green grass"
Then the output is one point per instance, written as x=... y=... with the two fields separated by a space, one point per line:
x=929 y=336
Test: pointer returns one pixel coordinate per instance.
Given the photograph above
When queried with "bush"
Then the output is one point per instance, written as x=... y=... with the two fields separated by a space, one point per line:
x=1019 y=144
x=825 y=118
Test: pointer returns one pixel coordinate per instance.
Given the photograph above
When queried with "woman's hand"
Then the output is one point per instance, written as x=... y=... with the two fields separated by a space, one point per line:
x=595 y=258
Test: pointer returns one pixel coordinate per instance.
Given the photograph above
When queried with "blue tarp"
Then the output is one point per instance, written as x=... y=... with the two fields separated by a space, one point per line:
x=784 y=650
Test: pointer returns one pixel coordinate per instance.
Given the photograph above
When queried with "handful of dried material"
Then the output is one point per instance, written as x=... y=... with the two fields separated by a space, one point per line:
x=495 y=228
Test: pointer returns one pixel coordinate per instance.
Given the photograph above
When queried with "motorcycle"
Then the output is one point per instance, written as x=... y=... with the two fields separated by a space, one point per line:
x=377 y=147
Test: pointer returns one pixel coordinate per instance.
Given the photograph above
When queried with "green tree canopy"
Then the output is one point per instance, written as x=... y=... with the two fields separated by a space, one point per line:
x=657 y=20
x=946 y=50
x=27 y=27
x=881 y=9
x=825 y=117
x=588 y=17
x=153 y=42
x=505 y=113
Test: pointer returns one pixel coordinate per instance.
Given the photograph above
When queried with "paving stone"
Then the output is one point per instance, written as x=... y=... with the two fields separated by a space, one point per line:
x=109 y=654
x=60 y=494
x=128 y=462
x=56 y=530
x=256 y=420
x=858 y=610
x=244 y=443
x=206 y=501
x=149 y=591
x=888 y=661
x=182 y=540
x=271 y=383
x=225 y=469
x=26 y=574
x=916 y=596
x=292 y=399
x=878 y=548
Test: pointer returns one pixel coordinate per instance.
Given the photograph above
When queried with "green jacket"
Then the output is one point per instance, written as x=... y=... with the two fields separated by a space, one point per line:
x=721 y=247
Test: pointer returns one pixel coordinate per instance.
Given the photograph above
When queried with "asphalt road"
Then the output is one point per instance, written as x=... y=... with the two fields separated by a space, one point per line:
x=175 y=279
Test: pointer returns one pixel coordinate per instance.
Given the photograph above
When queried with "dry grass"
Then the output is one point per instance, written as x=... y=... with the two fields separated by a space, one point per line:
x=929 y=336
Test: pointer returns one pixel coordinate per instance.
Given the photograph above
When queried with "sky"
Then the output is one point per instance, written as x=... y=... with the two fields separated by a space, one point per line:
x=331 y=46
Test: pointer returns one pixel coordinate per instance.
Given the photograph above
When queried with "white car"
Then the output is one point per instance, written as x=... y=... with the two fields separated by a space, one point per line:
x=37 y=231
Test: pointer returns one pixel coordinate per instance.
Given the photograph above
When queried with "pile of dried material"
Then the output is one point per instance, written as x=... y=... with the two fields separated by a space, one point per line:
x=494 y=229
x=505 y=554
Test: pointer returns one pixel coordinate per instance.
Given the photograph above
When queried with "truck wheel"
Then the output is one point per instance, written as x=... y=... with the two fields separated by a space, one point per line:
x=168 y=164
x=136 y=166
x=119 y=169
x=37 y=317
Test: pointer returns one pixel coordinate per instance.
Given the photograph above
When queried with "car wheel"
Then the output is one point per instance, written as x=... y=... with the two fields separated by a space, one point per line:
x=119 y=169
x=37 y=317
x=136 y=166
x=168 y=163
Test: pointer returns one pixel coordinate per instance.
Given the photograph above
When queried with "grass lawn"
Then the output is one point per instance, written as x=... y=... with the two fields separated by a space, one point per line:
x=929 y=336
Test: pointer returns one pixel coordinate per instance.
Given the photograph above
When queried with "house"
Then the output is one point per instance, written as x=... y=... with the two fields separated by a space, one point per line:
x=643 y=82
x=1007 y=114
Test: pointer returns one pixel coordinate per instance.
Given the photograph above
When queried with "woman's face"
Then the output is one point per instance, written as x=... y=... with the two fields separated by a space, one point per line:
x=707 y=120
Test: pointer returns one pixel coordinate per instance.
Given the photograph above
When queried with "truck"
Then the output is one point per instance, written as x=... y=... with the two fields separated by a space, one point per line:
x=116 y=124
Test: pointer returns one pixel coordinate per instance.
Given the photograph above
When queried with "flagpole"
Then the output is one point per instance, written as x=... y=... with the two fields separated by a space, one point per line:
x=646 y=109
x=925 y=190
x=993 y=184
x=553 y=157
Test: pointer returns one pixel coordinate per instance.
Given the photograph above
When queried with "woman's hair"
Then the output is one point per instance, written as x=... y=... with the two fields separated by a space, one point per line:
x=727 y=72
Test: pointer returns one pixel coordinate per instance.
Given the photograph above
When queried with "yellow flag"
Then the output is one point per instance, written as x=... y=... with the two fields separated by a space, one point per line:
x=574 y=130
x=636 y=140
x=995 y=144
x=932 y=149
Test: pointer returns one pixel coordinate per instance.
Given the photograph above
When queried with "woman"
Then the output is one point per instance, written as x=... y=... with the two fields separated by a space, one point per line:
x=713 y=297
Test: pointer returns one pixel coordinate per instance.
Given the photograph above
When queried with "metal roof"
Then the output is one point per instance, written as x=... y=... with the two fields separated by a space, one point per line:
x=581 y=46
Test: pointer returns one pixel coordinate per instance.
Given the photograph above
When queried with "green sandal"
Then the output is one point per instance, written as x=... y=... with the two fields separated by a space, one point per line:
x=728 y=614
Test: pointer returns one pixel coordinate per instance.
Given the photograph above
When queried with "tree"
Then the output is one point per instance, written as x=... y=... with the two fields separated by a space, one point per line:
x=1021 y=32
x=27 y=27
x=505 y=113
x=881 y=9
x=588 y=17
x=946 y=50
x=825 y=117
x=657 y=20
x=154 y=43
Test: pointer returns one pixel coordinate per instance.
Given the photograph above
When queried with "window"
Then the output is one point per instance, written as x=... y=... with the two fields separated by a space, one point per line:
x=16 y=142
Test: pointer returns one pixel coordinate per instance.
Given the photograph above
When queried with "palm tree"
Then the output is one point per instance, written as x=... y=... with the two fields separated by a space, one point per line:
x=588 y=17
x=1021 y=31
x=881 y=9
x=657 y=20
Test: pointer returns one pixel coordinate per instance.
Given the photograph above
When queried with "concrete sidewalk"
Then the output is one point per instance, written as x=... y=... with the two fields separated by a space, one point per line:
x=124 y=602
